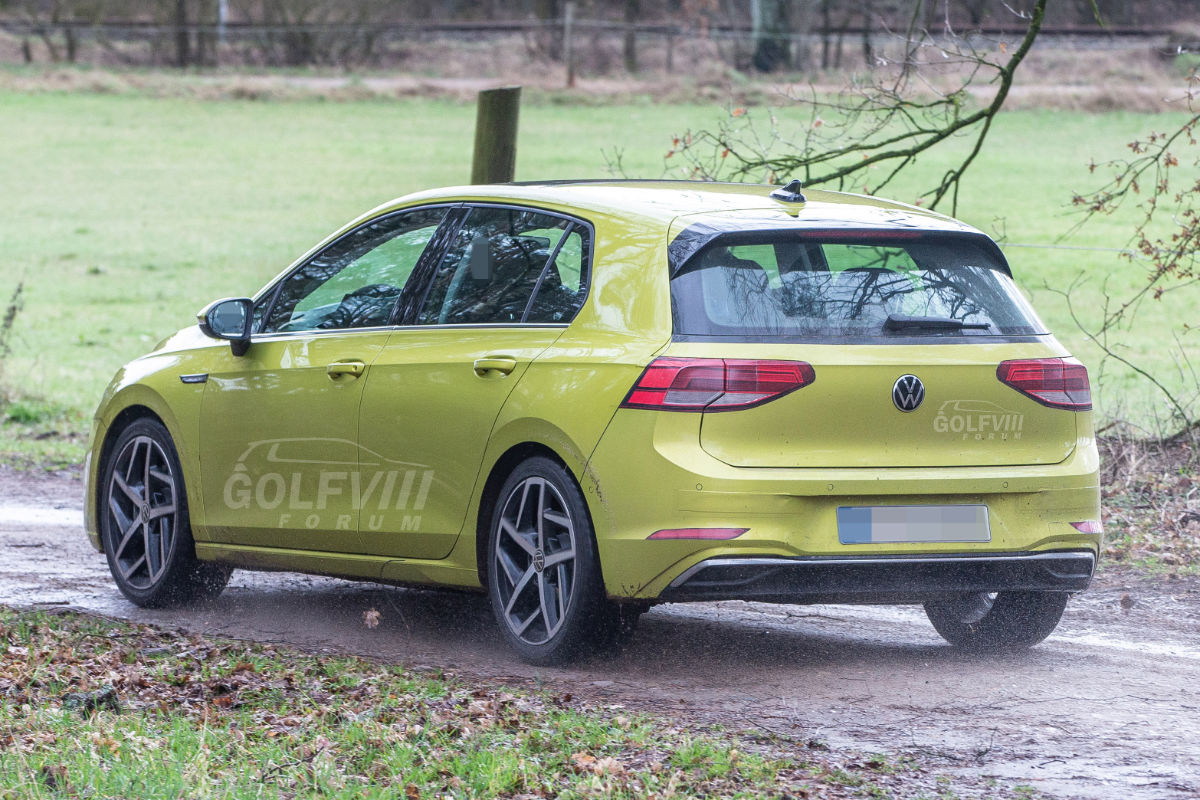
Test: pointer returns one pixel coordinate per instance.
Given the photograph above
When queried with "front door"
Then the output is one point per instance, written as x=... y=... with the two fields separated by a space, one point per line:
x=279 y=444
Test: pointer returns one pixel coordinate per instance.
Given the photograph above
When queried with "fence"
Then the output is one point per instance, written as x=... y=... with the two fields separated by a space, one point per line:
x=591 y=46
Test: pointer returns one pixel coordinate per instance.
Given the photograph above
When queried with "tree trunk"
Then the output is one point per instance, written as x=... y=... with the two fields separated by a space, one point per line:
x=976 y=9
x=826 y=33
x=772 y=35
x=630 y=48
x=868 y=19
x=183 y=44
x=48 y=40
x=549 y=38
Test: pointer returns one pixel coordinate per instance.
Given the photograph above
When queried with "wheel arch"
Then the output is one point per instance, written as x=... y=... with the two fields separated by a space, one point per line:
x=501 y=468
x=133 y=403
x=124 y=418
x=109 y=435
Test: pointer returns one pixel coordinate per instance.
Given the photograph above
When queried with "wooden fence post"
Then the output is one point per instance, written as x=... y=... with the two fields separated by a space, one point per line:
x=568 y=49
x=495 y=159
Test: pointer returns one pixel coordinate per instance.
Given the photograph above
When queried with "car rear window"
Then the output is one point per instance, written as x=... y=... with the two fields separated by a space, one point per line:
x=871 y=287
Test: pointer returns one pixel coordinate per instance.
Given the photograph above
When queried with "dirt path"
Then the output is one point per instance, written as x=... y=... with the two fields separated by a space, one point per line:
x=1106 y=708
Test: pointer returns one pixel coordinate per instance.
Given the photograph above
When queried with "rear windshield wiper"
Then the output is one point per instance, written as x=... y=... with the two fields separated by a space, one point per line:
x=902 y=322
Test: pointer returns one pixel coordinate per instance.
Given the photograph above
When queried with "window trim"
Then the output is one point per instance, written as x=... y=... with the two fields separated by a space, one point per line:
x=585 y=267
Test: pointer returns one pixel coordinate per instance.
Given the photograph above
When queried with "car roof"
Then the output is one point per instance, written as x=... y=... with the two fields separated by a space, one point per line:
x=664 y=201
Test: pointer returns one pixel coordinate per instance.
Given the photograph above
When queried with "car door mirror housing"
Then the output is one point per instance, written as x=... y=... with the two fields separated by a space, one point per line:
x=230 y=319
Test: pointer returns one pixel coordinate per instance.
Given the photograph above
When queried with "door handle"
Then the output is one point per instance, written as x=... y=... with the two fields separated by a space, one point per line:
x=339 y=368
x=493 y=364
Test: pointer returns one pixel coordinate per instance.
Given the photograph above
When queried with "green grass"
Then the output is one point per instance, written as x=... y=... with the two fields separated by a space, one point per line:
x=1150 y=510
x=125 y=214
x=97 y=708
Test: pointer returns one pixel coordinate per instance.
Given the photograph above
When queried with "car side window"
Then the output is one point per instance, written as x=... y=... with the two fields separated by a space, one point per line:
x=356 y=281
x=564 y=284
x=501 y=260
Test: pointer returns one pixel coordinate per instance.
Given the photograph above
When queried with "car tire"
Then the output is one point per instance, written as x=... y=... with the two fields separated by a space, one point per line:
x=544 y=577
x=981 y=621
x=145 y=529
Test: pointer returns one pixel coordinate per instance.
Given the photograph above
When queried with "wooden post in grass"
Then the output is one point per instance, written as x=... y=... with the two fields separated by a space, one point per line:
x=495 y=159
x=568 y=43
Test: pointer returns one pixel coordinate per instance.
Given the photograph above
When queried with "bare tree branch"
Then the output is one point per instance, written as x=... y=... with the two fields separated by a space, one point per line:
x=868 y=125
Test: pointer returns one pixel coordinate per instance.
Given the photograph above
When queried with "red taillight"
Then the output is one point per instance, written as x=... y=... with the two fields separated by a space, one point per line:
x=715 y=384
x=1054 y=382
x=1088 y=526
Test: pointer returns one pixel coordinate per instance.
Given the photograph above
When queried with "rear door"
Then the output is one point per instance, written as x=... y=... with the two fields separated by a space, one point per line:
x=905 y=333
x=510 y=282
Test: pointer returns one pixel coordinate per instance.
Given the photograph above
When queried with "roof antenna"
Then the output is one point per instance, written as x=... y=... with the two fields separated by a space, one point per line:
x=791 y=193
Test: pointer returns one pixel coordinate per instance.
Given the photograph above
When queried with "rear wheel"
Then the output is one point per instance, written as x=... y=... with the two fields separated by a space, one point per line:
x=544 y=576
x=144 y=525
x=984 y=621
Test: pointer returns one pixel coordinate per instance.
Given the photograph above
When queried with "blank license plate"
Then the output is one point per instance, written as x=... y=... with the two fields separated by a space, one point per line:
x=880 y=524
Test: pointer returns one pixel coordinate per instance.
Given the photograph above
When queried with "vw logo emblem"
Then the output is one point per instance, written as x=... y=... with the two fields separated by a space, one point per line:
x=908 y=392
x=539 y=561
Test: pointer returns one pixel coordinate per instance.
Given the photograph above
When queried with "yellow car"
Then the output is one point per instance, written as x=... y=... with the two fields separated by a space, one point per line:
x=586 y=398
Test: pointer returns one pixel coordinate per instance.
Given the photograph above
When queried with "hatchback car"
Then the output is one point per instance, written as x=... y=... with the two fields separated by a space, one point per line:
x=586 y=398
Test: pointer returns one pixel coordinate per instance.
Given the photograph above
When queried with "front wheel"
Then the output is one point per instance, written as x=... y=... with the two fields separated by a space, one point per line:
x=544 y=576
x=144 y=525
x=991 y=621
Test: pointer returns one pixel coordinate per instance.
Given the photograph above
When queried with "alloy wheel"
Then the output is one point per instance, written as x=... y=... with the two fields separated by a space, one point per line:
x=142 y=505
x=534 y=560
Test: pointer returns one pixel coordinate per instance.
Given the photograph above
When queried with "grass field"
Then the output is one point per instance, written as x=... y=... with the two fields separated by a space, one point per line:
x=125 y=214
x=100 y=708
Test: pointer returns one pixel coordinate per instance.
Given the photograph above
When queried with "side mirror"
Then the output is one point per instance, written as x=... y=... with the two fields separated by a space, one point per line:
x=230 y=319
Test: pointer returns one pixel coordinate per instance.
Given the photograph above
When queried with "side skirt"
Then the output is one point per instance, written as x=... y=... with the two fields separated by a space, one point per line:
x=341 y=565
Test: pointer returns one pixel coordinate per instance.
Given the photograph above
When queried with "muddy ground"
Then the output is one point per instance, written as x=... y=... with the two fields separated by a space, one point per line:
x=1105 y=708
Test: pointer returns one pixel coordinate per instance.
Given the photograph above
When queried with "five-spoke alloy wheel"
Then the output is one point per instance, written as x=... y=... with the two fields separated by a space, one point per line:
x=543 y=573
x=144 y=522
x=534 y=560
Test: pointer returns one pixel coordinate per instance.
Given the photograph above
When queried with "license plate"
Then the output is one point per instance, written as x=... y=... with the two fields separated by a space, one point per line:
x=913 y=524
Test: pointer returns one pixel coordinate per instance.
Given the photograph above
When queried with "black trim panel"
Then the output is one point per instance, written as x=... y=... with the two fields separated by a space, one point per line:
x=879 y=579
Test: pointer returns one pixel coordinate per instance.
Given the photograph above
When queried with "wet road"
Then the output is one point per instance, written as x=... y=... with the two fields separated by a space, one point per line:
x=1105 y=708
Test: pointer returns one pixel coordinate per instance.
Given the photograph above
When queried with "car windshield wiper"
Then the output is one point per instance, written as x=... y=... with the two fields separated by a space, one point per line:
x=902 y=322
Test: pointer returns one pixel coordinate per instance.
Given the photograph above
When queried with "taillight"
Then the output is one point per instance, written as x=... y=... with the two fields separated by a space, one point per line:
x=715 y=384
x=1054 y=382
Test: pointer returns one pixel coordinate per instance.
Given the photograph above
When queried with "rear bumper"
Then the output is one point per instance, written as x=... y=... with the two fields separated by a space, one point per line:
x=878 y=579
x=792 y=515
